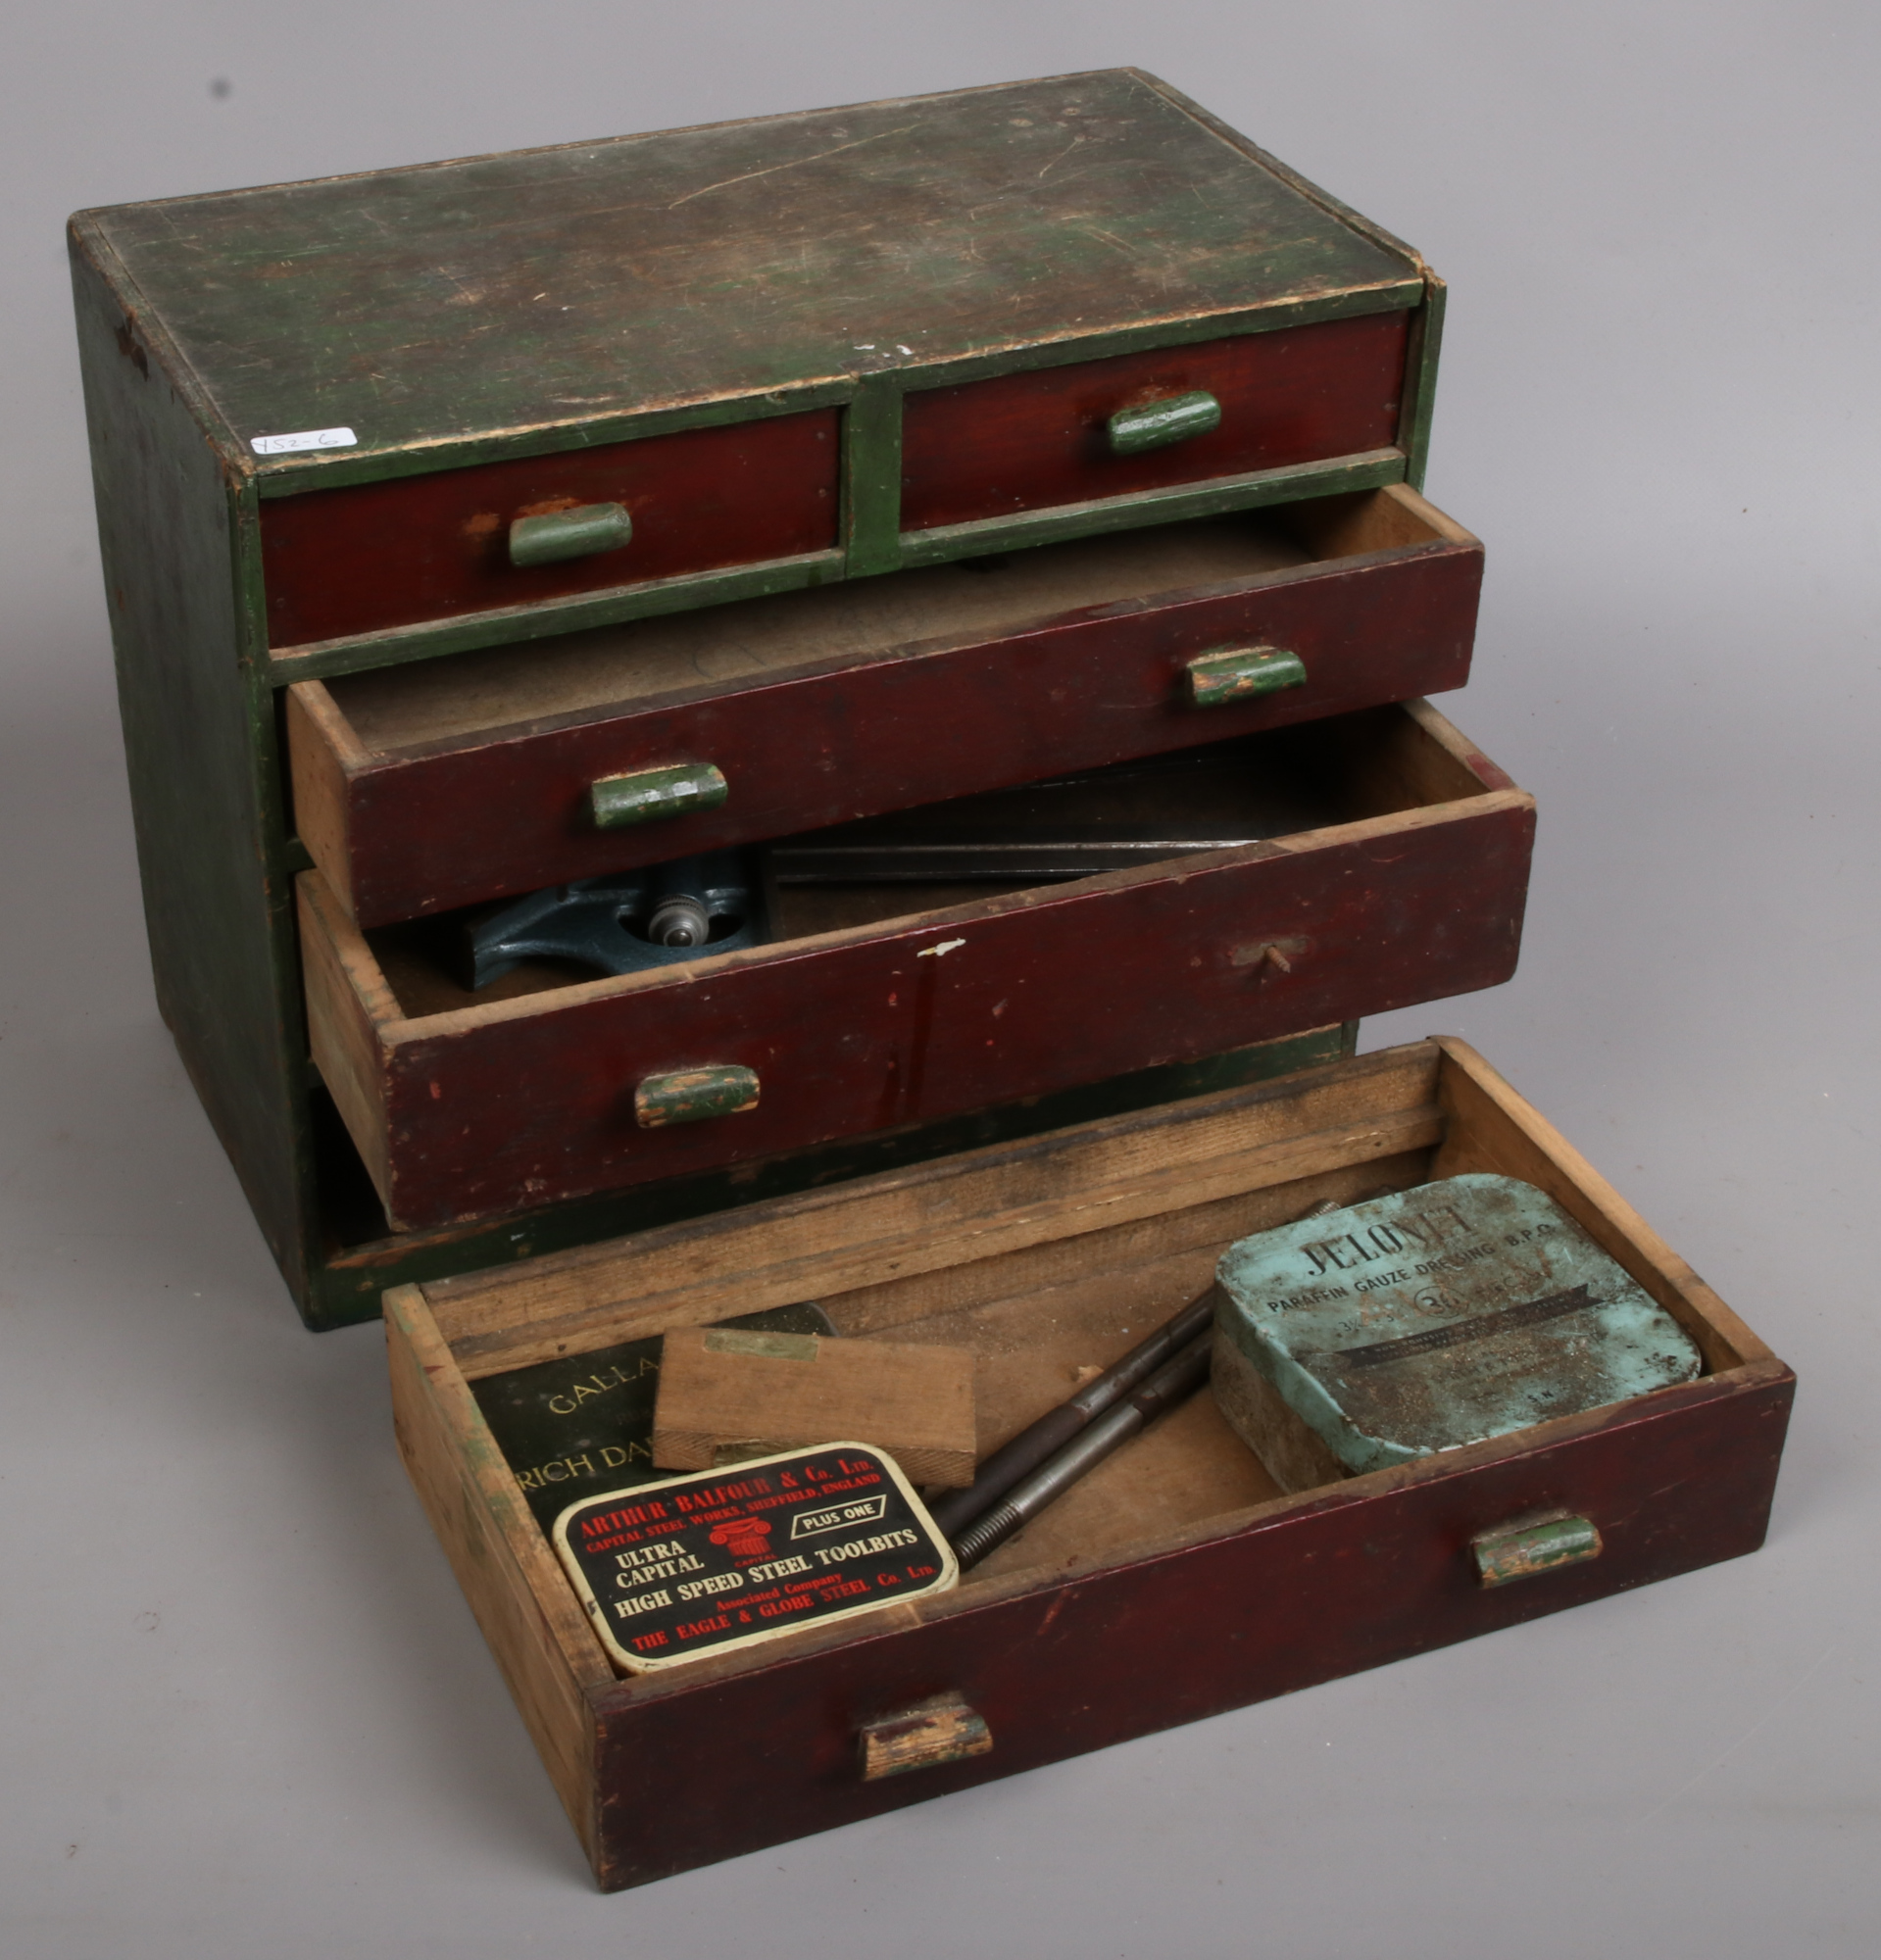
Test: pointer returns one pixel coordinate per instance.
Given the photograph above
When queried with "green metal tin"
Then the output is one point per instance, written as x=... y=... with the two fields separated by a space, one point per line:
x=1156 y=425
x=619 y=803
x=1441 y=1315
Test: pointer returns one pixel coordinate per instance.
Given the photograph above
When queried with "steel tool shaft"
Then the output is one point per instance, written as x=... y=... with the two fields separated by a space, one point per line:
x=1053 y=1431
x=1172 y=1383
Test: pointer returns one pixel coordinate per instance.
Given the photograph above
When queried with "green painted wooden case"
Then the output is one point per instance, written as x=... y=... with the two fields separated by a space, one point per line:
x=804 y=273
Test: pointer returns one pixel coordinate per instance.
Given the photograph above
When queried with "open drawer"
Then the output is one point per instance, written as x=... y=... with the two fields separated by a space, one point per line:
x=424 y=787
x=1177 y=1580
x=1403 y=879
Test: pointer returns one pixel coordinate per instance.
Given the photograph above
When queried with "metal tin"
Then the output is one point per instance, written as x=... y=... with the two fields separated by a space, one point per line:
x=725 y=1559
x=1437 y=1316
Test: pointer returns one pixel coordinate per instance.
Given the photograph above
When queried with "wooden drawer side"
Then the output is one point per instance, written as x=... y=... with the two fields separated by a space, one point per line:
x=347 y=1003
x=529 y=1614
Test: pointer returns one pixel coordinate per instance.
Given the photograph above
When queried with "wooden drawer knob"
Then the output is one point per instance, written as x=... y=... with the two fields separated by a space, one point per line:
x=1503 y=1556
x=691 y=1095
x=578 y=533
x=1156 y=425
x=1241 y=673
x=617 y=801
x=941 y=1730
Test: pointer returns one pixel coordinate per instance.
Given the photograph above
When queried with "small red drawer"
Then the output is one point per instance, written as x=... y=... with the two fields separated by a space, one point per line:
x=443 y=783
x=1410 y=887
x=339 y=562
x=1039 y=438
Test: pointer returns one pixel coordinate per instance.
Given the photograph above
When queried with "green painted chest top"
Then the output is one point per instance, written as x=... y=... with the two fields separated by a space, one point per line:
x=471 y=300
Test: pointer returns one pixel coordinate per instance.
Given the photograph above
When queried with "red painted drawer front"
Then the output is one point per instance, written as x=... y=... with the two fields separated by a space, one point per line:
x=444 y=829
x=1676 y=1480
x=419 y=547
x=1028 y=441
x=496 y=1109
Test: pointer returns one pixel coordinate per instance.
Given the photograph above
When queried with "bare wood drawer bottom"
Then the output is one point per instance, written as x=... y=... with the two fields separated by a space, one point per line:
x=1176 y=1582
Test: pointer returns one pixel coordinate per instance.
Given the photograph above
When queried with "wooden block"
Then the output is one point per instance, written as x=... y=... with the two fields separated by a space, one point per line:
x=728 y=1394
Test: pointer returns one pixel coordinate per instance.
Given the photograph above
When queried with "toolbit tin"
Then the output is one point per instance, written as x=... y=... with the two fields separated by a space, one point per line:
x=728 y=1557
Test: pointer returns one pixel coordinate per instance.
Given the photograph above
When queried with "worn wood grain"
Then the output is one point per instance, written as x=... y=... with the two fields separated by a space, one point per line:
x=923 y=1275
x=1492 y=1129
x=884 y=1230
x=725 y=1393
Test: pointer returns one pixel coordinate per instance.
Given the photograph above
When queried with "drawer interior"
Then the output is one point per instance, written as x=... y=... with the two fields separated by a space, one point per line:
x=1281 y=783
x=543 y=684
x=1049 y=1259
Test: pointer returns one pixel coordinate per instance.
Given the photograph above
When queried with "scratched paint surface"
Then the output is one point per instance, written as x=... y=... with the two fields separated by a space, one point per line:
x=1441 y=1315
x=463 y=299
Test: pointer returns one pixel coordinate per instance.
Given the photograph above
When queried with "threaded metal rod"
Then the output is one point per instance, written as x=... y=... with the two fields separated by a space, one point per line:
x=1175 y=1382
x=1045 y=1437
x=979 y=1538
x=957 y=1512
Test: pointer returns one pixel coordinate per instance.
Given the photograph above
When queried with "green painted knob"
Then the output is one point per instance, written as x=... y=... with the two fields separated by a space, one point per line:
x=1502 y=1558
x=618 y=802
x=1242 y=673
x=692 y=1095
x=577 y=533
x=1156 y=425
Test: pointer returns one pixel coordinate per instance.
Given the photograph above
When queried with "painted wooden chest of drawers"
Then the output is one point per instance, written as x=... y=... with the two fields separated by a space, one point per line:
x=797 y=490
x=854 y=461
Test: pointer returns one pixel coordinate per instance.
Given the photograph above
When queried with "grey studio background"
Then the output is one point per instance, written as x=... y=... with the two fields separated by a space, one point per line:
x=245 y=1709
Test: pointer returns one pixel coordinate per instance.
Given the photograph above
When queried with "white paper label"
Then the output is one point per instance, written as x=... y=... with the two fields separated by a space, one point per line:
x=285 y=445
